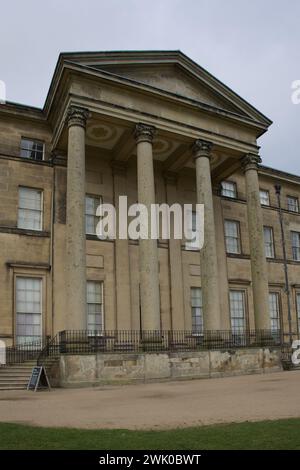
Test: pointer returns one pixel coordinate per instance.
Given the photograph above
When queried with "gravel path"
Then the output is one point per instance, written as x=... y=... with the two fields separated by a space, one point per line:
x=158 y=405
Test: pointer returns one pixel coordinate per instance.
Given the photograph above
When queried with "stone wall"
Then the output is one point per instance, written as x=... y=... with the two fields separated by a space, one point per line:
x=101 y=369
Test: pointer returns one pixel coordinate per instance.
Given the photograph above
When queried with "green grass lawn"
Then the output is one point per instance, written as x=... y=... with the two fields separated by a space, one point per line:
x=281 y=434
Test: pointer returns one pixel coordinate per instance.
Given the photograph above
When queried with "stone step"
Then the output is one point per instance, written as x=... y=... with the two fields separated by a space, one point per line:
x=16 y=376
x=14 y=382
x=15 y=369
x=13 y=387
x=11 y=383
x=10 y=374
x=18 y=366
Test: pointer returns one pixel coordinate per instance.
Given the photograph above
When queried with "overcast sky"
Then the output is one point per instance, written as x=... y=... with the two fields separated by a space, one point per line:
x=252 y=46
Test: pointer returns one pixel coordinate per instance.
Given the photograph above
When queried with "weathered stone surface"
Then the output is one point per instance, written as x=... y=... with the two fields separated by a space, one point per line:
x=126 y=368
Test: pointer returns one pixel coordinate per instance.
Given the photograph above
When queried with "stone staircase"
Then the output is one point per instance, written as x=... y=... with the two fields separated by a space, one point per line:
x=16 y=376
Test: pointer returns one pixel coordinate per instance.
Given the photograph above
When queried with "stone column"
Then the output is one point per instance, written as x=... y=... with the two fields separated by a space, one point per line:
x=208 y=254
x=259 y=273
x=123 y=294
x=75 y=220
x=175 y=261
x=148 y=251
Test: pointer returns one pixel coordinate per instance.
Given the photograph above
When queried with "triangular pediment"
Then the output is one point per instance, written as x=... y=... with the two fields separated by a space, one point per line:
x=172 y=79
x=172 y=72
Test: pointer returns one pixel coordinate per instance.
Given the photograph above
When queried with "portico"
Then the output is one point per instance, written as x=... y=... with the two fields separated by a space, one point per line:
x=208 y=161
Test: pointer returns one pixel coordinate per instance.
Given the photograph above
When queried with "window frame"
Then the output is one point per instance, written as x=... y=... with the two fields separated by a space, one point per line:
x=35 y=141
x=190 y=245
x=234 y=184
x=196 y=332
x=298 y=309
x=272 y=240
x=41 y=191
x=100 y=199
x=237 y=223
x=293 y=246
x=245 y=304
x=278 y=302
x=95 y=331
x=41 y=278
x=268 y=193
x=295 y=198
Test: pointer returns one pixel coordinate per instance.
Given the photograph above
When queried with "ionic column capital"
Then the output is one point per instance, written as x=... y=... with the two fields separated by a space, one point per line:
x=144 y=133
x=251 y=162
x=202 y=148
x=77 y=116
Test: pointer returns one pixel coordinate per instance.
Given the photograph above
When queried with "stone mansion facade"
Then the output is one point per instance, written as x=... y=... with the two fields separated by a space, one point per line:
x=156 y=127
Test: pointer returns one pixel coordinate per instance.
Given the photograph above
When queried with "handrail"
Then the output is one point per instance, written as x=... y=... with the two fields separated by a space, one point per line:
x=50 y=349
x=23 y=352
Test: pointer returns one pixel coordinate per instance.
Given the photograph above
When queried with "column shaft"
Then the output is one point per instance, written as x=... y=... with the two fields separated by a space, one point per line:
x=208 y=254
x=259 y=272
x=75 y=221
x=148 y=251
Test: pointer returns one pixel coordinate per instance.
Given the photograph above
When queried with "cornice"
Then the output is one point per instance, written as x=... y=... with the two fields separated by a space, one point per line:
x=176 y=57
x=279 y=174
x=163 y=124
x=21 y=111
x=88 y=71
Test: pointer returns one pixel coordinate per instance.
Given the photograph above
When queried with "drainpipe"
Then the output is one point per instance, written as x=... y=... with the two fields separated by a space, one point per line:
x=287 y=287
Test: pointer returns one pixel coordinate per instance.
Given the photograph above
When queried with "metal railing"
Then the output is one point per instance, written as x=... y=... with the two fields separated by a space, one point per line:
x=135 y=341
x=23 y=352
x=52 y=349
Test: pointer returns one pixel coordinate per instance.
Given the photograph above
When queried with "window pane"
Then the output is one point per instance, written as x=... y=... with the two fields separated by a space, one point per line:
x=295 y=245
x=269 y=244
x=191 y=243
x=94 y=305
x=274 y=311
x=28 y=309
x=32 y=149
x=232 y=237
x=237 y=310
x=30 y=209
x=264 y=197
x=91 y=220
x=292 y=204
x=228 y=189
x=197 y=310
x=298 y=309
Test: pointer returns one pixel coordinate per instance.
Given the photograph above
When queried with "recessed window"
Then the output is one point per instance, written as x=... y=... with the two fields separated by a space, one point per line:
x=264 y=197
x=91 y=220
x=292 y=204
x=274 y=311
x=295 y=245
x=33 y=149
x=192 y=243
x=197 y=310
x=269 y=242
x=228 y=189
x=28 y=310
x=30 y=209
x=232 y=236
x=298 y=309
x=237 y=310
x=94 y=300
